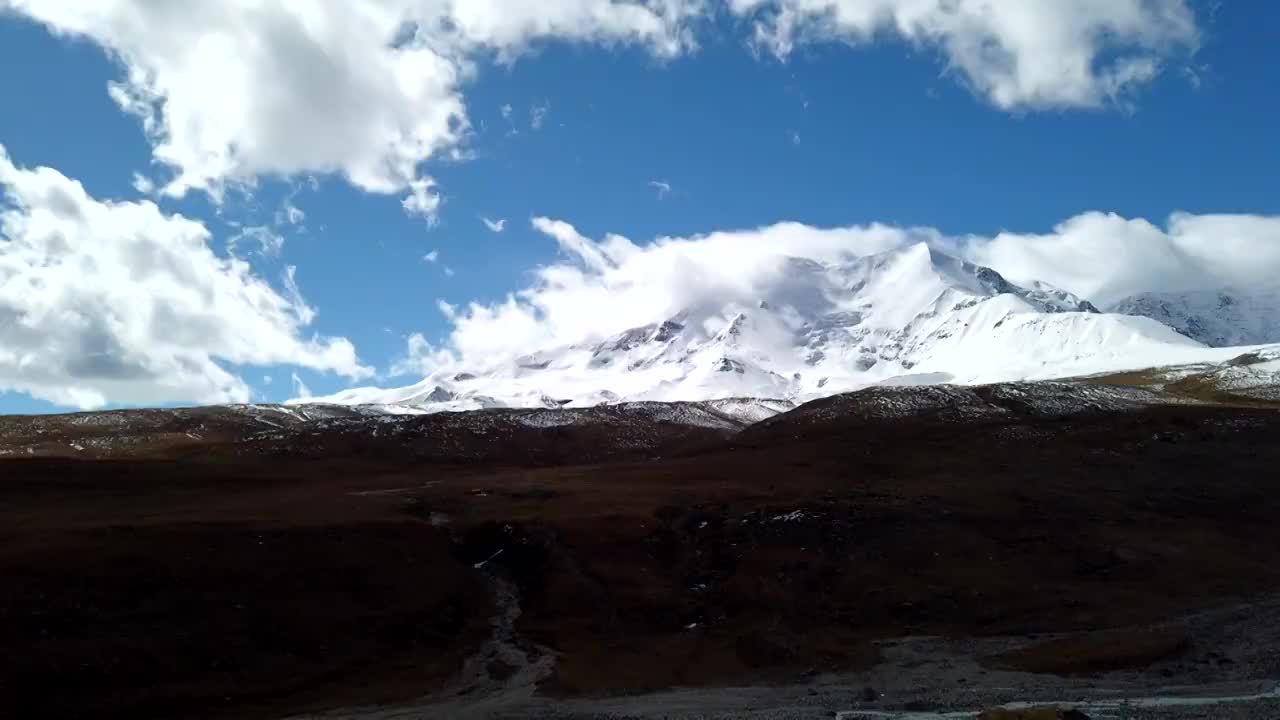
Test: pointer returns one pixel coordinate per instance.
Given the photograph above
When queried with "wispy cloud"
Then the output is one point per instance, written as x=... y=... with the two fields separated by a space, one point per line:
x=268 y=242
x=663 y=187
x=507 y=112
x=300 y=389
x=494 y=225
x=538 y=115
x=432 y=256
x=423 y=200
x=289 y=213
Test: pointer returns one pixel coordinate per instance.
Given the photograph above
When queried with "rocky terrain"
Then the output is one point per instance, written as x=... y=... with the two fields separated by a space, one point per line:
x=532 y=436
x=897 y=552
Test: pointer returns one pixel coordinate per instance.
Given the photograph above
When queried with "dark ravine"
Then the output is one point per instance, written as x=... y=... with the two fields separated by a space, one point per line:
x=566 y=567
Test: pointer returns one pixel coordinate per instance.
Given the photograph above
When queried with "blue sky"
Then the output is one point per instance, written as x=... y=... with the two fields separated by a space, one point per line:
x=892 y=129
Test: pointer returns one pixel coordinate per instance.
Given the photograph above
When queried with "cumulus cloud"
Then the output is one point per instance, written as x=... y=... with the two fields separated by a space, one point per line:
x=663 y=187
x=231 y=91
x=116 y=302
x=603 y=287
x=432 y=256
x=494 y=225
x=1019 y=54
x=1106 y=257
x=234 y=90
x=420 y=358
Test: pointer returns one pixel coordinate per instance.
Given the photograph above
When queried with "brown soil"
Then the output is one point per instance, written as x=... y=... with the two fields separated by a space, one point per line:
x=218 y=585
x=1092 y=653
x=172 y=596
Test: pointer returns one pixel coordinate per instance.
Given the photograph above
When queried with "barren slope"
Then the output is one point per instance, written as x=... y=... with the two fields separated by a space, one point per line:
x=336 y=571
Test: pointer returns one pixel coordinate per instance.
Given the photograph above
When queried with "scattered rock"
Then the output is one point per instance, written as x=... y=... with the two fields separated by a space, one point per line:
x=500 y=669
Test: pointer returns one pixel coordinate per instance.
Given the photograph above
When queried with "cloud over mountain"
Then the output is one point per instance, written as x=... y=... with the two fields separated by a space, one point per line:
x=607 y=286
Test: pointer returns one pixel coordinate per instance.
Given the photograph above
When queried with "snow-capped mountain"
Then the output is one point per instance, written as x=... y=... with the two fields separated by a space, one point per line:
x=908 y=316
x=1217 y=318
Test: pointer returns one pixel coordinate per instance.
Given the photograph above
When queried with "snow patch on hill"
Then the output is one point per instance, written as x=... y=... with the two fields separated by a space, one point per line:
x=1218 y=318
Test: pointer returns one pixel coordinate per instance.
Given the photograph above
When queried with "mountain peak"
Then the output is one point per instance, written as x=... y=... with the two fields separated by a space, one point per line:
x=919 y=280
x=912 y=314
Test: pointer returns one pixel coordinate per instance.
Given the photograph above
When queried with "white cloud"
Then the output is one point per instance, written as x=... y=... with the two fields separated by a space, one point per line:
x=604 y=287
x=448 y=271
x=507 y=111
x=231 y=91
x=289 y=213
x=1020 y=54
x=494 y=225
x=419 y=358
x=143 y=184
x=293 y=214
x=267 y=241
x=663 y=187
x=423 y=199
x=116 y=302
x=234 y=90
x=1106 y=257
x=432 y=256
x=611 y=285
x=538 y=115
